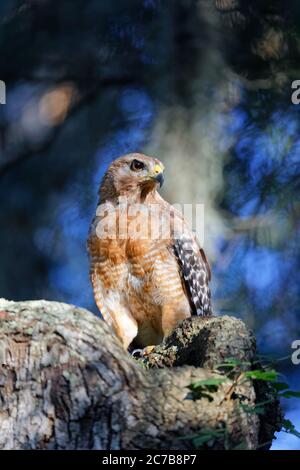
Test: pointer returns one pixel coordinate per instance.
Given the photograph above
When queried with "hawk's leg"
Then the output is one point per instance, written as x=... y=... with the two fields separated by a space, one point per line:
x=125 y=327
x=173 y=314
x=138 y=353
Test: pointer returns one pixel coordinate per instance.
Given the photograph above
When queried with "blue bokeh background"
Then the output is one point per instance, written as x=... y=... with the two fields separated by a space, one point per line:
x=239 y=149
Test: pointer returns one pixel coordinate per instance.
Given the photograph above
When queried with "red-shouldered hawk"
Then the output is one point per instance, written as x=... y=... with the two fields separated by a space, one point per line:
x=147 y=269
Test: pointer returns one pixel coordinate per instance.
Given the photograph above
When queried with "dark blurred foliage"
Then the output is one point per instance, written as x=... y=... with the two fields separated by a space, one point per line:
x=204 y=85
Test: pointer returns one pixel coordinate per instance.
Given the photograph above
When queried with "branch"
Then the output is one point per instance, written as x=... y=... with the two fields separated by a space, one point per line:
x=205 y=342
x=67 y=384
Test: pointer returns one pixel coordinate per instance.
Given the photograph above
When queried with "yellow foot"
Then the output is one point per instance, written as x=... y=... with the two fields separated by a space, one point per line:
x=147 y=350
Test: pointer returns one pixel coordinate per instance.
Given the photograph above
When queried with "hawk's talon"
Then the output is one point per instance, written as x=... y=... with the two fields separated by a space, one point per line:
x=147 y=350
x=137 y=353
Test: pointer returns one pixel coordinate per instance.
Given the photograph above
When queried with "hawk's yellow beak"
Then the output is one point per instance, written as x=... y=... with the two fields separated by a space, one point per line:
x=158 y=169
x=158 y=174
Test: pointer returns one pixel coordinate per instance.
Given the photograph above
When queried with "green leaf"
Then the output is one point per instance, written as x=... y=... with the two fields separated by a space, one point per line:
x=290 y=394
x=279 y=386
x=257 y=409
x=267 y=376
x=231 y=363
x=204 y=388
x=214 y=381
x=204 y=436
x=289 y=428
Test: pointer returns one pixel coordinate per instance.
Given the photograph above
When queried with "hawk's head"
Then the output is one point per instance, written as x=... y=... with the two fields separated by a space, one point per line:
x=132 y=174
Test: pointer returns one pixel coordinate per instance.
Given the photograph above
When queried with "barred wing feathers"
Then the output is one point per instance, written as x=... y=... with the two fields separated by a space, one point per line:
x=195 y=272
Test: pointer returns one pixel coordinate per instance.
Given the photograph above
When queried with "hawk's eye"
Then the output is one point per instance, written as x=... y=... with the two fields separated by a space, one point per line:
x=136 y=165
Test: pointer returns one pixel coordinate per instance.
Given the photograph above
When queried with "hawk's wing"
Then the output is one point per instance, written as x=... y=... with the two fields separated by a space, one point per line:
x=195 y=271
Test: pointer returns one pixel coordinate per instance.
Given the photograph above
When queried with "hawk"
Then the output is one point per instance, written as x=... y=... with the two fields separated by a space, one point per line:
x=147 y=269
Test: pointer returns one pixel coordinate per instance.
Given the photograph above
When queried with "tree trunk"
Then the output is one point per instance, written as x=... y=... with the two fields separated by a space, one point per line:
x=66 y=383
